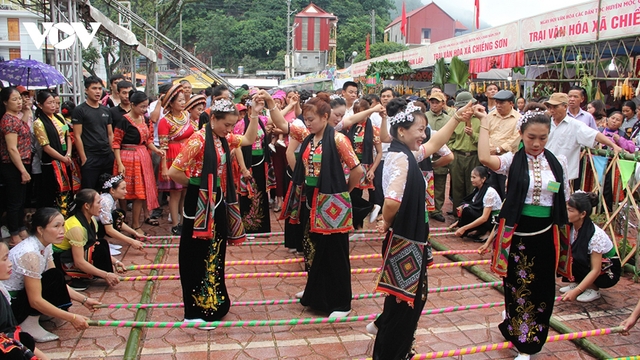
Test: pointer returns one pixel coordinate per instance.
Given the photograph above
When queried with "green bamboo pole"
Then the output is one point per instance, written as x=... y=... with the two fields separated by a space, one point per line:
x=133 y=343
x=590 y=347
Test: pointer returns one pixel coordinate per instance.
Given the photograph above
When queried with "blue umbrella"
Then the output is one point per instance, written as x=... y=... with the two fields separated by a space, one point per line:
x=30 y=73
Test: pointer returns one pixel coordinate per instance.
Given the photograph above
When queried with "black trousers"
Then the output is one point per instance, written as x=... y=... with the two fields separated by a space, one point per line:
x=15 y=196
x=54 y=290
x=377 y=195
x=93 y=168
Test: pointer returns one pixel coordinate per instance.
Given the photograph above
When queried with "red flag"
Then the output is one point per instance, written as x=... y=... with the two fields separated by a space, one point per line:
x=477 y=11
x=367 y=47
x=403 y=23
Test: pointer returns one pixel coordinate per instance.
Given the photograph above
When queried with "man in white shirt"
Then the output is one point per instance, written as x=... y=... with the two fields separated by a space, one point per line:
x=576 y=97
x=350 y=94
x=568 y=134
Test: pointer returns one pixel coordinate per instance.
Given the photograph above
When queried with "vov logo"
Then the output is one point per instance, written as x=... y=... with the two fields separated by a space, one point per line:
x=52 y=32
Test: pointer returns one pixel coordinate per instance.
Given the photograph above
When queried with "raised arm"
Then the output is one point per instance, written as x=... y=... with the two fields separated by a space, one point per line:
x=252 y=130
x=347 y=122
x=444 y=134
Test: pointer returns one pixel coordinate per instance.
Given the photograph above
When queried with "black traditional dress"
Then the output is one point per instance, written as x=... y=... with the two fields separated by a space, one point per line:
x=254 y=204
x=318 y=199
x=527 y=246
x=407 y=253
x=211 y=218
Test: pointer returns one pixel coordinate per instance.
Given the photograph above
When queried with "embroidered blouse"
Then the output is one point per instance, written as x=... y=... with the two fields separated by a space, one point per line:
x=171 y=129
x=394 y=174
x=599 y=243
x=541 y=174
x=239 y=130
x=190 y=158
x=129 y=132
x=491 y=199
x=10 y=124
x=41 y=133
x=107 y=206
x=29 y=258
x=312 y=156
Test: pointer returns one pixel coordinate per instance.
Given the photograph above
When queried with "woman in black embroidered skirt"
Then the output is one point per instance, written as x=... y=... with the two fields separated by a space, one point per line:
x=211 y=211
x=527 y=238
x=405 y=222
x=318 y=199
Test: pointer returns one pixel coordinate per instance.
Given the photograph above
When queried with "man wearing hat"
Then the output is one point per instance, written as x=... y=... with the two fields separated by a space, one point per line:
x=437 y=118
x=503 y=133
x=568 y=134
x=464 y=144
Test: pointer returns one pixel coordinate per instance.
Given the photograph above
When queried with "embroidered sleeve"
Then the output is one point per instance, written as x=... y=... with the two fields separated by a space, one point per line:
x=29 y=265
x=118 y=134
x=150 y=139
x=394 y=176
x=163 y=134
x=444 y=151
x=189 y=152
x=40 y=133
x=567 y=187
x=376 y=135
x=105 y=211
x=600 y=242
x=234 y=140
x=492 y=199
x=339 y=126
x=77 y=236
x=505 y=163
x=298 y=133
x=347 y=155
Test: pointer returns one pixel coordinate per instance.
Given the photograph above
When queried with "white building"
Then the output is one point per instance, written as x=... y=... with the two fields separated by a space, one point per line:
x=14 y=39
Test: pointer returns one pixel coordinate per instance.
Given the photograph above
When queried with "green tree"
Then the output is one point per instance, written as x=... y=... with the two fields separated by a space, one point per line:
x=381 y=48
x=352 y=36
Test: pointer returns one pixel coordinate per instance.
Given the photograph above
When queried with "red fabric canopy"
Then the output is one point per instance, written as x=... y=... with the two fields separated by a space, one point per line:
x=505 y=61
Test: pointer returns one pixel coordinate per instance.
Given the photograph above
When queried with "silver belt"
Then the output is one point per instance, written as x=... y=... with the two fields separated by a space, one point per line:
x=534 y=233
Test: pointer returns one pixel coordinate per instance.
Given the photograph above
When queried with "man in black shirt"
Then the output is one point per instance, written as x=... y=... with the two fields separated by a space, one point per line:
x=93 y=133
x=119 y=111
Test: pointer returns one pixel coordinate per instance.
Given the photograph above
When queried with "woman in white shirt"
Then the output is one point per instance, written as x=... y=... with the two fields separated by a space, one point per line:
x=36 y=286
x=595 y=262
x=478 y=208
x=534 y=208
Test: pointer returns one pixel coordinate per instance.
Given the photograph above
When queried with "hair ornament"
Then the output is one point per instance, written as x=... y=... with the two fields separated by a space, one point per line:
x=406 y=115
x=114 y=180
x=530 y=114
x=223 y=105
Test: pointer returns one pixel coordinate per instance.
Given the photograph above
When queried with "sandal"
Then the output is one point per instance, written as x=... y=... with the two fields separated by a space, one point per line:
x=152 y=221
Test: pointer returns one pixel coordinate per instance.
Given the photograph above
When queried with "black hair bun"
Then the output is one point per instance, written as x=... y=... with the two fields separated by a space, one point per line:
x=395 y=105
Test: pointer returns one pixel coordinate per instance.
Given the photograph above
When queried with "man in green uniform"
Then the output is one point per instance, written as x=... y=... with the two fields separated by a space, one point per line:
x=437 y=118
x=464 y=145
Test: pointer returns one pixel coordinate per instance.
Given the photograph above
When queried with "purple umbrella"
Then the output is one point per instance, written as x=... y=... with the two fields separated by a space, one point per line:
x=30 y=73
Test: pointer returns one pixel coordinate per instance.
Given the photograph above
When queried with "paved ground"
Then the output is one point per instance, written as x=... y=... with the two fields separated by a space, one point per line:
x=323 y=341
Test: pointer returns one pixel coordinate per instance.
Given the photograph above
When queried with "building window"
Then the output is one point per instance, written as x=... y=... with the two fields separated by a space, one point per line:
x=13 y=26
x=316 y=34
x=426 y=33
x=305 y=33
x=14 y=53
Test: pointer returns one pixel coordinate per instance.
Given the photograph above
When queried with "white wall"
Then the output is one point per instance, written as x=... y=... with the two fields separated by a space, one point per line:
x=26 y=45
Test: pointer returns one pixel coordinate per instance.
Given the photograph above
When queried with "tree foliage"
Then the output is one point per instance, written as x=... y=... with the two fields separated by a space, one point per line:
x=252 y=33
x=381 y=48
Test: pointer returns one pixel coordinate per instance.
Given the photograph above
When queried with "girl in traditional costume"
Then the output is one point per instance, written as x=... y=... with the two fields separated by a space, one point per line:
x=132 y=140
x=254 y=161
x=528 y=237
x=60 y=176
x=174 y=128
x=405 y=221
x=318 y=198
x=211 y=210
x=595 y=264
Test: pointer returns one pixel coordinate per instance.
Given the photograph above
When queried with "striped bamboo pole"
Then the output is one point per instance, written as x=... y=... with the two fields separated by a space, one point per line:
x=295 y=301
x=299 y=273
x=285 y=261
